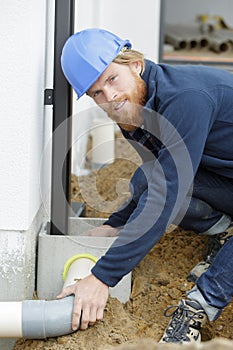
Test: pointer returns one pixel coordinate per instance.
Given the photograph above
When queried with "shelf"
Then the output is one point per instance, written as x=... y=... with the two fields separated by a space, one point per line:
x=224 y=59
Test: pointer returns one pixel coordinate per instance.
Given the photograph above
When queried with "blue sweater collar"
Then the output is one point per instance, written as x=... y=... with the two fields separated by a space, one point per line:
x=150 y=78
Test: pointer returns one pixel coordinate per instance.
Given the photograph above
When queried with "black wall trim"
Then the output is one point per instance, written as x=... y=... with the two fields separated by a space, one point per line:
x=64 y=13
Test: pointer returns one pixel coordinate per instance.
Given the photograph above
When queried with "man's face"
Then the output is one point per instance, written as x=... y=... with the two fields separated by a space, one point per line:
x=121 y=92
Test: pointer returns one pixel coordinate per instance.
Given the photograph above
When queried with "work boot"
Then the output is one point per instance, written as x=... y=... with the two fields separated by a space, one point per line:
x=214 y=245
x=187 y=319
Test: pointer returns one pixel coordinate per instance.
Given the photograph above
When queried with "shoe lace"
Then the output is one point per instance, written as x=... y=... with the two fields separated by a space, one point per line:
x=215 y=244
x=182 y=319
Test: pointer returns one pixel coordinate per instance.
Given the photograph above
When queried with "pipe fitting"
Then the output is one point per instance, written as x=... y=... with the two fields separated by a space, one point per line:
x=43 y=319
x=77 y=267
x=40 y=319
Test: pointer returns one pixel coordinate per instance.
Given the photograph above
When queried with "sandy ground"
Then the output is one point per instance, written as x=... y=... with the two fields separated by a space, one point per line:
x=157 y=282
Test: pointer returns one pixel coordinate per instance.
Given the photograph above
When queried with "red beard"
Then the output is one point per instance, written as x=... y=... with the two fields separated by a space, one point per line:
x=130 y=118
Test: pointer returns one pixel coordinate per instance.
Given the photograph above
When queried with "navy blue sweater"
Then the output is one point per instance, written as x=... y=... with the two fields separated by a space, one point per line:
x=189 y=112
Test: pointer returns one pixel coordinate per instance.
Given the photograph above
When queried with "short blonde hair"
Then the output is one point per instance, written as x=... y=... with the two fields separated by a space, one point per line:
x=127 y=56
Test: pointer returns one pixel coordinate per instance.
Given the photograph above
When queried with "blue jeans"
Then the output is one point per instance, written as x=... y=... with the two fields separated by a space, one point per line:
x=210 y=212
x=211 y=202
x=214 y=289
x=211 y=206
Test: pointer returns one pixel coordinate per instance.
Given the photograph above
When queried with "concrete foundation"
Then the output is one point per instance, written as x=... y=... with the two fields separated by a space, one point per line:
x=55 y=250
x=17 y=266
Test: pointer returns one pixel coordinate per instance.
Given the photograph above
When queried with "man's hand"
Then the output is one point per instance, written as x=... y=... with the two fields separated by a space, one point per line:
x=91 y=296
x=103 y=231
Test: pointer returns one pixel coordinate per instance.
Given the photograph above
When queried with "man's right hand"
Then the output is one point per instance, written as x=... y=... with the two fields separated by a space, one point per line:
x=90 y=293
x=91 y=296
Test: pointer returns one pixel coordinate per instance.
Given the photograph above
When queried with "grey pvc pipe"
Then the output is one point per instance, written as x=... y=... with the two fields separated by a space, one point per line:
x=176 y=41
x=219 y=45
x=42 y=319
x=36 y=319
x=185 y=37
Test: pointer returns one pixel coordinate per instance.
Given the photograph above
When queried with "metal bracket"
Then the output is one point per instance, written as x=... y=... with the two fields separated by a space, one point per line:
x=48 y=96
x=78 y=209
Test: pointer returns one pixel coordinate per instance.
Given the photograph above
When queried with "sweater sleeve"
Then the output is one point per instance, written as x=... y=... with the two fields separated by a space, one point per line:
x=184 y=128
x=120 y=217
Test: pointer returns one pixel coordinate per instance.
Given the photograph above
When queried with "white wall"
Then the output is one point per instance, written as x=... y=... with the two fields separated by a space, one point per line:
x=177 y=11
x=130 y=19
x=25 y=122
x=22 y=74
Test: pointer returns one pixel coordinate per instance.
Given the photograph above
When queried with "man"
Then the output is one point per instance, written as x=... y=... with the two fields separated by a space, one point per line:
x=180 y=120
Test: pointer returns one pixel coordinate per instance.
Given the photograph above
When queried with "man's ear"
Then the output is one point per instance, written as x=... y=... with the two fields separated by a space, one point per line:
x=136 y=67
